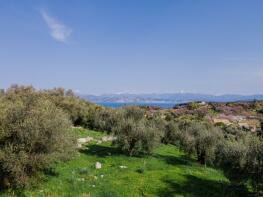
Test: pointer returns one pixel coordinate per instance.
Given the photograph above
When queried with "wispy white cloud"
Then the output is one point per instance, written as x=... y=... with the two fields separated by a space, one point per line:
x=58 y=30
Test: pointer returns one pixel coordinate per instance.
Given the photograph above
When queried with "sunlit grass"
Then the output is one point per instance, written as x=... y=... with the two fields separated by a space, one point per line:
x=168 y=172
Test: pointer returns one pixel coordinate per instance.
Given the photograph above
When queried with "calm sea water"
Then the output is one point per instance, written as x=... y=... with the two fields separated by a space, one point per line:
x=117 y=105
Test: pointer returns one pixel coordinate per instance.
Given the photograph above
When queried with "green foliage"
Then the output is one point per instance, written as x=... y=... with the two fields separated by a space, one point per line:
x=80 y=112
x=140 y=170
x=231 y=158
x=135 y=134
x=159 y=121
x=105 y=119
x=135 y=113
x=33 y=135
x=192 y=106
x=242 y=161
x=171 y=133
x=196 y=138
x=254 y=162
x=260 y=131
x=232 y=132
x=238 y=153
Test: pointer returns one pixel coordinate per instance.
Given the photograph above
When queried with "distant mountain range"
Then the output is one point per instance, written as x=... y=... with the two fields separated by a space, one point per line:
x=167 y=98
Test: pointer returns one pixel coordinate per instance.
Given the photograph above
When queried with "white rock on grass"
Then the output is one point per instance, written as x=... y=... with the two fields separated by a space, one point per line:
x=81 y=179
x=99 y=142
x=123 y=167
x=84 y=140
x=98 y=165
x=108 y=138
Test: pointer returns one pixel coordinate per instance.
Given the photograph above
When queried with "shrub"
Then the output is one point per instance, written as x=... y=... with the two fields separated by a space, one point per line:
x=231 y=158
x=232 y=132
x=170 y=133
x=198 y=138
x=33 y=135
x=192 y=106
x=260 y=131
x=105 y=119
x=159 y=122
x=242 y=161
x=136 y=113
x=80 y=112
x=134 y=133
x=254 y=165
x=141 y=170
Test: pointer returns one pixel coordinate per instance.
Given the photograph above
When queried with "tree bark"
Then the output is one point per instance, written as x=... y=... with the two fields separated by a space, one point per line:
x=131 y=147
x=201 y=158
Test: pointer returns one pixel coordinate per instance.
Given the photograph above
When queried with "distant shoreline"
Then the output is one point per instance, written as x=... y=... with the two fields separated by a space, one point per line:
x=163 y=105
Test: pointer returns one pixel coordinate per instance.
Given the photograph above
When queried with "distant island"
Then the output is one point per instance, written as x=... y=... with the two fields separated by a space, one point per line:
x=175 y=98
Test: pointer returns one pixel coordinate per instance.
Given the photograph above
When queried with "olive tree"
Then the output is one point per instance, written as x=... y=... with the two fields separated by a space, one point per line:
x=135 y=134
x=105 y=119
x=231 y=157
x=254 y=162
x=198 y=138
x=242 y=161
x=79 y=111
x=171 y=133
x=33 y=135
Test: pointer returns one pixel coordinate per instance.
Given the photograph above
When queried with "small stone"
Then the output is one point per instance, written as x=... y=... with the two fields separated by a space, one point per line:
x=122 y=167
x=98 y=165
x=84 y=140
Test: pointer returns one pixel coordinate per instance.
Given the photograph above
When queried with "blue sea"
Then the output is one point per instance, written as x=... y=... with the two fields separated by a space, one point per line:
x=117 y=105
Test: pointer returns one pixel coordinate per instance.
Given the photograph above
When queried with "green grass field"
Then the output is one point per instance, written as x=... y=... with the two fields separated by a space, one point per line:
x=168 y=172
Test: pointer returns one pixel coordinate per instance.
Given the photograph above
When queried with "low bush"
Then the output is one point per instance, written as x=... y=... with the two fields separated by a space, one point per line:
x=242 y=161
x=170 y=133
x=197 y=138
x=80 y=112
x=135 y=134
x=105 y=119
x=33 y=135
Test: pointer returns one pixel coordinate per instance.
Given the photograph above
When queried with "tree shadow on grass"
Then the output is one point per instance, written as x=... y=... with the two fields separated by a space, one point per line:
x=197 y=187
x=50 y=172
x=101 y=151
x=105 y=151
x=175 y=160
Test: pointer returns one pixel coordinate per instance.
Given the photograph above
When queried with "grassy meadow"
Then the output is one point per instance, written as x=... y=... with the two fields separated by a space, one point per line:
x=167 y=172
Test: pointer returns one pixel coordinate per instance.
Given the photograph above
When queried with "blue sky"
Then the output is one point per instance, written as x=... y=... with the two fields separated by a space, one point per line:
x=111 y=46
